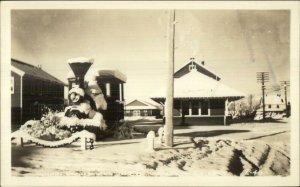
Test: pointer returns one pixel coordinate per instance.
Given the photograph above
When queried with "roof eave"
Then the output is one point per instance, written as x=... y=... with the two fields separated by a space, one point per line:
x=57 y=82
x=17 y=71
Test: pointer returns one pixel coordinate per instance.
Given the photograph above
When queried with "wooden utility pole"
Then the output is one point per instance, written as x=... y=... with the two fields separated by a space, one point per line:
x=263 y=77
x=285 y=84
x=170 y=83
x=226 y=111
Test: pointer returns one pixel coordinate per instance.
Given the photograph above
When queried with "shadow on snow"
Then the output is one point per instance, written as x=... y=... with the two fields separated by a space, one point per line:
x=210 y=133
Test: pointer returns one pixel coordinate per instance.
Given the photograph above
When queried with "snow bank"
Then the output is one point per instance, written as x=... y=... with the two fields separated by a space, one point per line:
x=73 y=121
x=80 y=60
x=74 y=137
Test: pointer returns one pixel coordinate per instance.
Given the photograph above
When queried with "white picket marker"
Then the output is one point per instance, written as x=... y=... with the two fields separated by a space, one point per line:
x=19 y=141
x=161 y=135
x=83 y=143
x=150 y=141
x=84 y=135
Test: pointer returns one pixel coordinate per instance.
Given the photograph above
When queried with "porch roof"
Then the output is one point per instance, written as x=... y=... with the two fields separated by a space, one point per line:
x=140 y=108
x=147 y=103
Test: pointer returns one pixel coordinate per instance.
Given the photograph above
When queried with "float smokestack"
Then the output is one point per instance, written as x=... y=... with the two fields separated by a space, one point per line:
x=80 y=66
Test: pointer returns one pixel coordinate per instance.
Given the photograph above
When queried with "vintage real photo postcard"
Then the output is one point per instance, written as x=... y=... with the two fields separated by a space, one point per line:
x=149 y=93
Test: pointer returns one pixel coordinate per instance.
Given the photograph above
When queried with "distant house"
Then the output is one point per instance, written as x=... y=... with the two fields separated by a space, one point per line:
x=273 y=103
x=111 y=83
x=200 y=97
x=139 y=107
x=32 y=89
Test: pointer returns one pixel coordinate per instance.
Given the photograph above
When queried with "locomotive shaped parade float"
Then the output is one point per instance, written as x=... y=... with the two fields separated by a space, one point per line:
x=91 y=102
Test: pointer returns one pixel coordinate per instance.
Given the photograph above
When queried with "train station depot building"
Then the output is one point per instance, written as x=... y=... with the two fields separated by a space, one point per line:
x=200 y=97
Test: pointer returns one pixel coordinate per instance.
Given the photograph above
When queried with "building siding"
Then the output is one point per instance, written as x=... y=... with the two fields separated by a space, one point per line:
x=38 y=94
x=216 y=112
x=275 y=107
x=16 y=96
x=16 y=112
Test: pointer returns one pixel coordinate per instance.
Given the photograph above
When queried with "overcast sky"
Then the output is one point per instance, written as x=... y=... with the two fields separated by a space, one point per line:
x=234 y=44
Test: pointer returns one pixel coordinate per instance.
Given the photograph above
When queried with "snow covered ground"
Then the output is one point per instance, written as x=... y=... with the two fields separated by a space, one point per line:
x=251 y=149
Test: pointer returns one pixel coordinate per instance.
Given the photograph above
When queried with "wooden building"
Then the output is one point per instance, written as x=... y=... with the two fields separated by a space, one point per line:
x=111 y=83
x=143 y=107
x=31 y=90
x=273 y=103
x=200 y=97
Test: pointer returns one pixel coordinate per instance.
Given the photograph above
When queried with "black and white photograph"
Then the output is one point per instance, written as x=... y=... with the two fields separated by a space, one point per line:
x=141 y=92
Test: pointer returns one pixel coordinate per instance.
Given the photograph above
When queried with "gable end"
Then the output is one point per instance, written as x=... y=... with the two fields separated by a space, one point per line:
x=185 y=69
x=136 y=103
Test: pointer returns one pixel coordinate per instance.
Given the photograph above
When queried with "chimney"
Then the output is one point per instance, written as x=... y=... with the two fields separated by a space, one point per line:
x=203 y=63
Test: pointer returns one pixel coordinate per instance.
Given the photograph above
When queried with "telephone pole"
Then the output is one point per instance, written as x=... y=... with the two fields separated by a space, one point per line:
x=170 y=86
x=285 y=84
x=263 y=77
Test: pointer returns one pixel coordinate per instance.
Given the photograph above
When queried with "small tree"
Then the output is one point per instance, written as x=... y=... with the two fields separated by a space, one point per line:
x=244 y=108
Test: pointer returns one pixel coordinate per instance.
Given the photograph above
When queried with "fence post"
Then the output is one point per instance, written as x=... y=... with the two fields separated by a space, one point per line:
x=19 y=141
x=83 y=143
x=150 y=141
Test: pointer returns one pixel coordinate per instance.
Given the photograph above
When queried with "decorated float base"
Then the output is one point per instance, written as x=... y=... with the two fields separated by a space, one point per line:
x=55 y=130
x=87 y=139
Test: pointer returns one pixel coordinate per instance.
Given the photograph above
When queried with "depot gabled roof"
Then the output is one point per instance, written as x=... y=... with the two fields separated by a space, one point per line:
x=195 y=84
x=28 y=69
x=200 y=68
